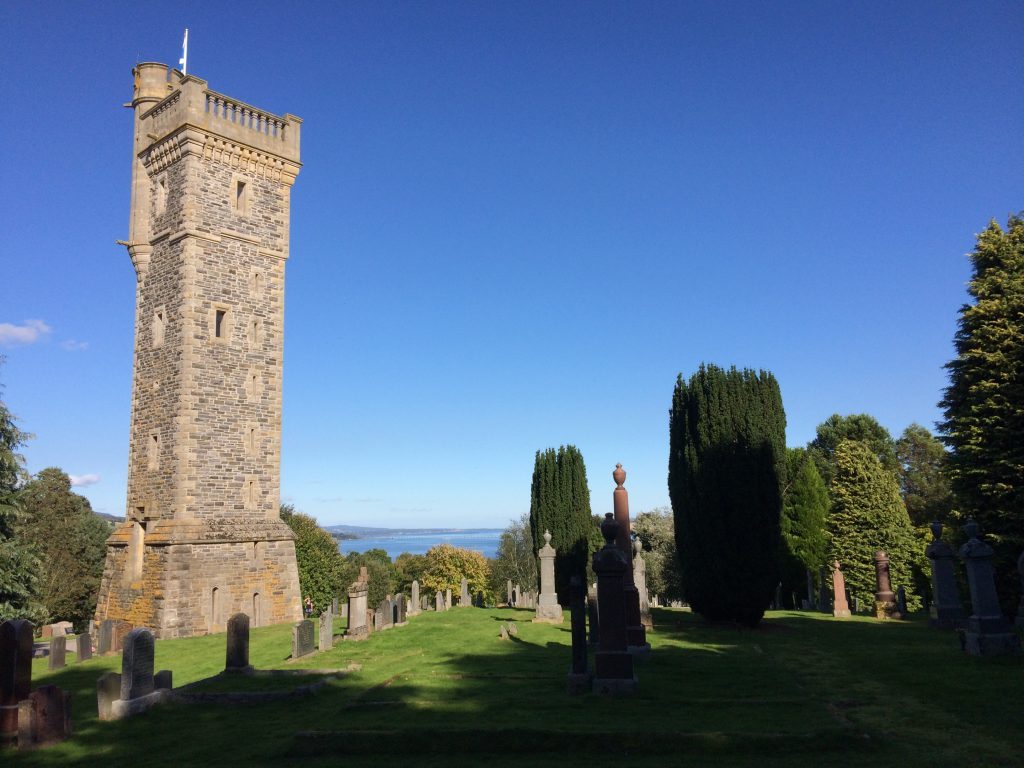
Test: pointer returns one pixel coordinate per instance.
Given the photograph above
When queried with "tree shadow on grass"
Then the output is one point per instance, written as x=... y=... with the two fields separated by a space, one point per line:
x=449 y=692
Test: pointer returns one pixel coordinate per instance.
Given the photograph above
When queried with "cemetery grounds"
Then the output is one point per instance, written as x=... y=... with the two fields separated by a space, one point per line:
x=802 y=690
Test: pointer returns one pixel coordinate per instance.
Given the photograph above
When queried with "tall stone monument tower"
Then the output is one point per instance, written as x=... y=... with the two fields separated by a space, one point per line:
x=202 y=539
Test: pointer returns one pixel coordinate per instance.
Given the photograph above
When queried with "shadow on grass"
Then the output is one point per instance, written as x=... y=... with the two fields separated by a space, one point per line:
x=446 y=688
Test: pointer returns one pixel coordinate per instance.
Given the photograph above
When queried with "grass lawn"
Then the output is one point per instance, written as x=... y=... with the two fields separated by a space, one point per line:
x=802 y=690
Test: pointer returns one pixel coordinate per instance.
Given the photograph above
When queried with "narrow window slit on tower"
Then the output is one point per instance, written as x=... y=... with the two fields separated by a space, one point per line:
x=218 y=323
x=239 y=196
x=153 y=451
x=158 y=328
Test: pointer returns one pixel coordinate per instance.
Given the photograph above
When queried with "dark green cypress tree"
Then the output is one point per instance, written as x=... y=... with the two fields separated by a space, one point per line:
x=805 y=504
x=560 y=503
x=727 y=433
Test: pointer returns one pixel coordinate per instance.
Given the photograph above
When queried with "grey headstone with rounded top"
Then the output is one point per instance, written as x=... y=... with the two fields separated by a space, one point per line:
x=137 y=664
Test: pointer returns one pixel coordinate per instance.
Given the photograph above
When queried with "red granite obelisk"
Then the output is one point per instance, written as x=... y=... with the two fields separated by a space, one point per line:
x=635 y=632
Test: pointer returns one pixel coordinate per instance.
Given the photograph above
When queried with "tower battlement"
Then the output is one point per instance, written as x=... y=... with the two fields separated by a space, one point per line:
x=209 y=238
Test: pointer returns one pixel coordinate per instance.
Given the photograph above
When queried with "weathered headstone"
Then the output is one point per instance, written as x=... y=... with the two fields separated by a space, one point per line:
x=840 y=608
x=640 y=580
x=57 y=629
x=824 y=598
x=508 y=592
x=370 y=617
x=334 y=606
x=326 y=631
x=344 y=610
x=438 y=601
x=636 y=634
x=464 y=599
x=513 y=629
x=15 y=674
x=548 y=609
x=447 y=599
x=516 y=592
x=358 y=627
x=105 y=639
x=163 y=680
x=613 y=663
x=901 y=601
x=237 y=658
x=378 y=620
x=503 y=633
x=578 y=680
x=44 y=717
x=302 y=639
x=83 y=647
x=108 y=690
x=414 y=603
x=885 y=600
x=989 y=632
x=386 y=615
x=137 y=664
x=946 y=610
x=593 y=620
x=402 y=611
x=58 y=649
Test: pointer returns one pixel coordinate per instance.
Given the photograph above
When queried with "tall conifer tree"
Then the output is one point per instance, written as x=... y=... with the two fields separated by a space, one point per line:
x=727 y=434
x=560 y=503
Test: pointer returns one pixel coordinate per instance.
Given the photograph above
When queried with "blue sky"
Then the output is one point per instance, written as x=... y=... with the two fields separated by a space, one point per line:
x=518 y=222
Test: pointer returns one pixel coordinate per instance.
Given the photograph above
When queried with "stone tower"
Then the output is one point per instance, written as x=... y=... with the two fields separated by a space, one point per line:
x=202 y=539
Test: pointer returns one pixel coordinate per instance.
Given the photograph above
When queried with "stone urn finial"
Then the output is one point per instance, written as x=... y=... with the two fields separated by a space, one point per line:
x=638 y=546
x=619 y=475
x=609 y=529
x=971 y=529
x=835 y=565
x=936 y=528
x=547 y=538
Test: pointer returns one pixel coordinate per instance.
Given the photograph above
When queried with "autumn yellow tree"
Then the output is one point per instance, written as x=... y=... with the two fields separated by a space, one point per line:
x=447 y=565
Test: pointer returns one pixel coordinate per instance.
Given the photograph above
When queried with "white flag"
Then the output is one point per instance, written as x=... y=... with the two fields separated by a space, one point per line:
x=184 y=54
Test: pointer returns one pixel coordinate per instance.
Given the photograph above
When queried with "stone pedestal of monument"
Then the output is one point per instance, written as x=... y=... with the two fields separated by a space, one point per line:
x=989 y=632
x=613 y=663
x=885 y=599
x=548 y=609
x=946 y=610
x=840 y=607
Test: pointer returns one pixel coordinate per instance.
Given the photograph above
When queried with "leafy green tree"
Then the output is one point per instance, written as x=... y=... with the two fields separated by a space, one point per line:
x=858 y=426
x=560 y=503
x=656 y=531
x=409 y=568
x=805 y=504
x=726 y=466
x=984 y=402
x=71 y=541
x=924 y=484
x=380 y=571
x=447 y=565
x=868 y=515
x=321 y=572
x=516 y=558
x=18 y=563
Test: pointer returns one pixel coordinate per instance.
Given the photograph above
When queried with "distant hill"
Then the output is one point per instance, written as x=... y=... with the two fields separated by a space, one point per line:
x=360 y=531
x=110 y=518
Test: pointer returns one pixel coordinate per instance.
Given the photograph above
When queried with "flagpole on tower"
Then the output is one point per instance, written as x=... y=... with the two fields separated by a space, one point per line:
x=184 y=54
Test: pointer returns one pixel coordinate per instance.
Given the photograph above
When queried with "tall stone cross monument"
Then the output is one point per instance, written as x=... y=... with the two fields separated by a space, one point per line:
x=202 y=538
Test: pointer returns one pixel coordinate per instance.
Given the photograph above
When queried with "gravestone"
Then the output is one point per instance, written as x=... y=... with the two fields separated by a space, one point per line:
x=163 y=680
x=414 y=603
x=105 y=637
x=503 y=632
x=326 y=631
x=578 y=680
x=636 y=634
x=513 y=629
x=824 y=598
x=840 y=608
x=946 y=610
x=901 y=601
x=478 y=601
x=438 y=601
x=237 y=656
x=58 y=649
x=83 y=647
x=302 y=639
x=370 y=618
x=447 y=599
x=358 y=627
x=137 y=664
x=402 y=607
x=108 y=690
x=548 y=609
x=464 y=599
x=15 y=673
x=334 y=606
x=885 y=600
x=613 y=663
x=989 y=632
x=508 y=592
x=592 y=617
x=378 y=620
x=640 y=580
x=44 y=717
x=344 y=610
x=57 y=629
x=386 y=615
x=516 y=592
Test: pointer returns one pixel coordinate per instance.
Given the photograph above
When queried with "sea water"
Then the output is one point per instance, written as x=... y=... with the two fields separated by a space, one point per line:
x=483 y=541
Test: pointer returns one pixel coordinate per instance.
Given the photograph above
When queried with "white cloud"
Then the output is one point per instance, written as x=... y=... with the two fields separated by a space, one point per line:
x=78 y=481
x=71 y=345
x=27 y=333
